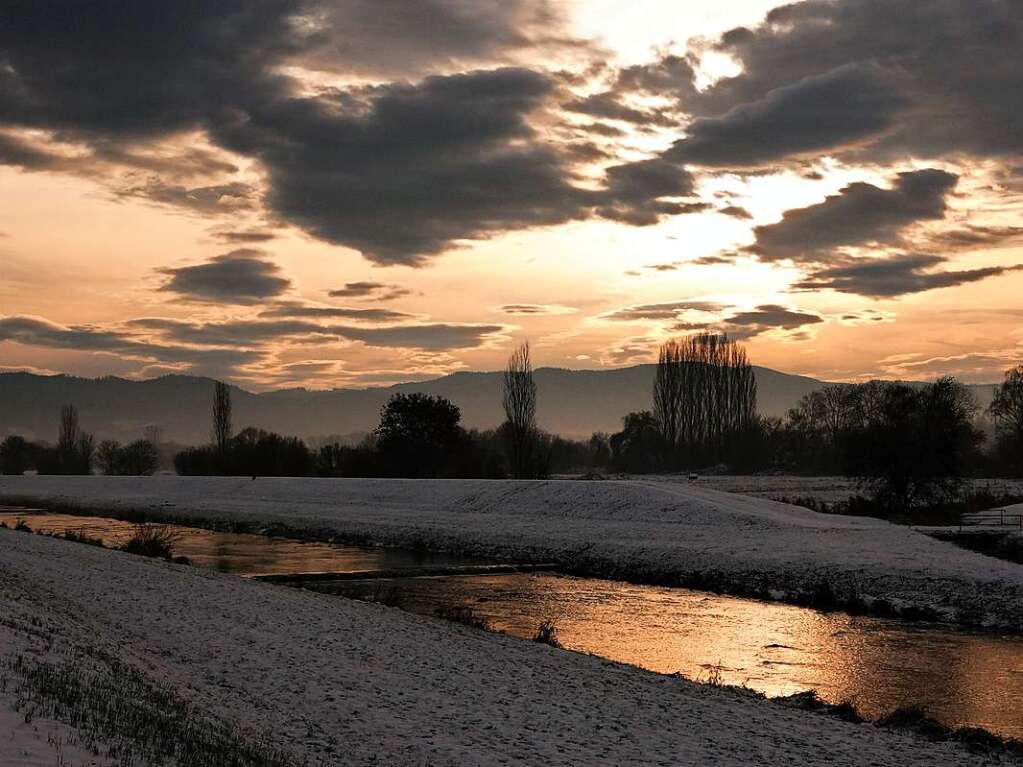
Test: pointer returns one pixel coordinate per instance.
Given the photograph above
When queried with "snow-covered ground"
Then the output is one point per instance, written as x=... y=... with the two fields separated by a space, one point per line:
x=649 y=531
x=827 y=489
x=342 y=682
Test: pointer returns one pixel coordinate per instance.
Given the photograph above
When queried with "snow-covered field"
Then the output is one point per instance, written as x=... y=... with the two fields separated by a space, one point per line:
x=648 y=531
x=827 y=489
x=342 y=682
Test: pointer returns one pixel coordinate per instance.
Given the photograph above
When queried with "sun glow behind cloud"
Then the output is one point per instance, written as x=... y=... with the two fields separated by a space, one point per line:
x=577 y=188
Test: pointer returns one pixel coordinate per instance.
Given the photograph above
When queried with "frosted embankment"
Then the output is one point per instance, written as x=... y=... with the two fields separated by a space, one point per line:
x=343 y=682
x=654 y=532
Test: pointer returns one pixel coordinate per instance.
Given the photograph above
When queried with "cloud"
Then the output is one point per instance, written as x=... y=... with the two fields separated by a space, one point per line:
x=246 y=236
x=816 y=115
x=361 y=314
x=670 y=310
x=634 y=190
x=859 y=215
x=768 y=317
x=238 y=277
x=535 y=309
x=37 y=331
x=607 y=106
x=973 y=237
x=205 y=200
x=406 y=37
x=377 y=291
x=982 y=366
x=735 y=211
x=435 y=336
x=895 y=276
x=630 y=350
x=872 y=80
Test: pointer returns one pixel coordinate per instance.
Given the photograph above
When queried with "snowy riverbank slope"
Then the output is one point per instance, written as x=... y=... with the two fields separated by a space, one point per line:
x=659 y=532
x=345 y=682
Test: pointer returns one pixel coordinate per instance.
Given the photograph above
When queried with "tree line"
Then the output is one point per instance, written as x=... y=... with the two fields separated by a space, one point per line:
x=911 y=442
x=77 y=452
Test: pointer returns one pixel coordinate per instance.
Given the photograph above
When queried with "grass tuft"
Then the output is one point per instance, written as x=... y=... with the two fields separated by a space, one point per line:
x=547 y=633
x=152 y=540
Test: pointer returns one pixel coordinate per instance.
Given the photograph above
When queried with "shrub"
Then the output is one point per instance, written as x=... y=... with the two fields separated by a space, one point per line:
x=150 y=540
x=547 y=633
x=463 y=614
x=15 y=455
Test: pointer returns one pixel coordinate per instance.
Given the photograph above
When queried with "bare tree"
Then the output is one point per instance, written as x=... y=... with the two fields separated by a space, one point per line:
x=1007 y=410
x=221 y=416
x=668 y=393
x=1007 y=406
x=519 y=403
x=705 y=395
x=70 y=431
x=153 y=432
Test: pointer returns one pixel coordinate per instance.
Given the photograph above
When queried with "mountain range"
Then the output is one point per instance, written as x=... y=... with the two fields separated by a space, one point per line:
x=573 y=403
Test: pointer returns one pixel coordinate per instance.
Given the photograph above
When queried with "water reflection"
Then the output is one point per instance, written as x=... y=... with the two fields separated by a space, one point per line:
x=241 y=553
x=960 y=678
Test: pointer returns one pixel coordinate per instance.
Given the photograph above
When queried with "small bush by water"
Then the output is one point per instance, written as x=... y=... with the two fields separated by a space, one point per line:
x=465 y=615
x=152 y=540
x=547 y=633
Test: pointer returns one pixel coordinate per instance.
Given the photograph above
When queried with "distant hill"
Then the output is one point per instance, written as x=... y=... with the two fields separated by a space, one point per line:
x=571 y=402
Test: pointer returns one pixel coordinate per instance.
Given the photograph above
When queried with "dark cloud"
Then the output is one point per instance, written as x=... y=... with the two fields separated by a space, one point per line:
x=535 y=309
x=606 y=105
x=418 y=167
x=206 y=200
x=634 y=192
x=239 y=277
x=247 y=236
x=975 y=237
x=735 y=211
x=437 y=336
x=404 y=37
x=636 y=349
x=895 y=276
x=124 y=69
x=377 y=291
x=949 y=67
x=769 y=317
x=338 y=312
x=36 y=331
x=669 y=310
x=817 y=115
x=860 y=215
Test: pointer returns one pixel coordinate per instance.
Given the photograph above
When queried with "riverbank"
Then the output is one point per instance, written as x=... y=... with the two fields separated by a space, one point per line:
x=653 y=532
x=300 y=677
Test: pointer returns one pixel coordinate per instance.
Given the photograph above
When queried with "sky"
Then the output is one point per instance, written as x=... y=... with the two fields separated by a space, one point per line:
x=329 y=193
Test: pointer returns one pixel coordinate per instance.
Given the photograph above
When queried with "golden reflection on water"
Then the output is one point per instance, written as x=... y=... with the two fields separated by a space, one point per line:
x=241 y=553
x=960 y=678
x=776 y=649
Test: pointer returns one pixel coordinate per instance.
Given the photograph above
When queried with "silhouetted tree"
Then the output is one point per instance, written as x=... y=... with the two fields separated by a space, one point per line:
x=221 y=417
x=705 y=398
x=137 y=459
x=600 y=449
x=15 y=455
x=69 y=434
x=519 y=430
x=416 y=433
x=108 y=455
x=1007 y=411
x=638 y=447
x=915 y=442
x=74 y=451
